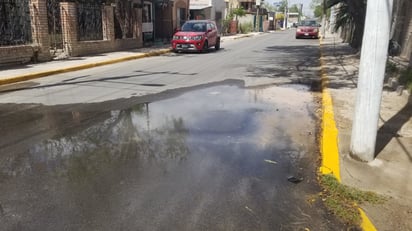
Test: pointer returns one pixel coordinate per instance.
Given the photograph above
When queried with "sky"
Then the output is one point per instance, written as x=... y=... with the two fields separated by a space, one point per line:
x=306 y=5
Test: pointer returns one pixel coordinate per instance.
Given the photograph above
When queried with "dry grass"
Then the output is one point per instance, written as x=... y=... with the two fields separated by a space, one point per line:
x=343 y=200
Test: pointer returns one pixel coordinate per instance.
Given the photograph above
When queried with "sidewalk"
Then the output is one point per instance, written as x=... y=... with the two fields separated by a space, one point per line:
x=31 y=71
x=390 y=174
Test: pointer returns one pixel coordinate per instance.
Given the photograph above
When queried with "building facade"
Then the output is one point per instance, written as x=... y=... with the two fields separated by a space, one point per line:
x=208 y=9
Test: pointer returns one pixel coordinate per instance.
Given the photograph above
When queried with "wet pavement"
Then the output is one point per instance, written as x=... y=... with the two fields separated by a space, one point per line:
x=215 y=158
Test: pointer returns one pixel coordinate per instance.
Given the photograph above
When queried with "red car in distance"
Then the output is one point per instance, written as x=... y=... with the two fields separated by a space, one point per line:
x=308 y=29
x=196 y=35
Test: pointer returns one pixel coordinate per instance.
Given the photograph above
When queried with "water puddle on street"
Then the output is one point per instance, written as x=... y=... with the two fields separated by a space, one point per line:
x=217 y=158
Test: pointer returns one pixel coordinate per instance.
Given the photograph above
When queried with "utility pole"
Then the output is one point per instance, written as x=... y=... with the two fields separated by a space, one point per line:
x=332 y=20
x=371 y=75
x=324 y=19
x=285 y=17
x=257 y=15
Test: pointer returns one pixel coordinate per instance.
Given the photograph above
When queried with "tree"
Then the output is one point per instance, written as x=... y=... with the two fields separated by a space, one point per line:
x=318 y=11
x=315 y=3
x=281 y=7
x=350 y=18
x=270 y=8
x=123 y=14
x=238 y=12
x=294 y=9
x=317 y=7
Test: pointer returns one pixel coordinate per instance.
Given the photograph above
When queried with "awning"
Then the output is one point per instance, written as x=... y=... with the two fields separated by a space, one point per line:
x=198 y=7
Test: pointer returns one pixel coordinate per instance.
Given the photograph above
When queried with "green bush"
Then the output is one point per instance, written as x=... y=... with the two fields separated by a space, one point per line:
x=405 y=78
x=245 y=28
x=391 y=68
x=226 y=26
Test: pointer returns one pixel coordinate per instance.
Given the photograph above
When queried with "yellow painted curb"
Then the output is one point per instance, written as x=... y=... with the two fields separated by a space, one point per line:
x=26 y=77
x=366 y=223
x=329 y=139
x=329 y=136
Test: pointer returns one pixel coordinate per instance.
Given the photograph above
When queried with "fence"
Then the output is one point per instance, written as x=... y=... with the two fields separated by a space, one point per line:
x=89 y=21
x=15 y=25
x=54 y=24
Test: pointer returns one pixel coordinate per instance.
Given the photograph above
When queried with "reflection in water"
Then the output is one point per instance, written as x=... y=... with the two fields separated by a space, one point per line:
x=116 y=140
x=188 y=163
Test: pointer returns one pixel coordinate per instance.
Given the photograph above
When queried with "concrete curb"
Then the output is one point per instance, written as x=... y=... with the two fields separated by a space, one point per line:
x=14 y=79
x=329 y=141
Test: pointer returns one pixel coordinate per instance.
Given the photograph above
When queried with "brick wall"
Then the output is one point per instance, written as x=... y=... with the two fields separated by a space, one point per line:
x=73 y=47
x=17 y=54
x=39 y=50
x=40 y=32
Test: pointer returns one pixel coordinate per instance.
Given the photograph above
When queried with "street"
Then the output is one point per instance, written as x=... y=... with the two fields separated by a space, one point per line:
x=224 y=140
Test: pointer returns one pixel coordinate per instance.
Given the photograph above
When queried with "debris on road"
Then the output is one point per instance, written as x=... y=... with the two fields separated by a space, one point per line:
x=295 y=179
x=271 y=161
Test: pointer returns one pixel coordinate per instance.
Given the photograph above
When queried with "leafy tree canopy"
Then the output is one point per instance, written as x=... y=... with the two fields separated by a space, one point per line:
x=281 y=7
x=294 y=9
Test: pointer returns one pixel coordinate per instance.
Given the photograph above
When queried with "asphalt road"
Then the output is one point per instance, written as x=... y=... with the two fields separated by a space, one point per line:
x=266 y=59
x=218 y=141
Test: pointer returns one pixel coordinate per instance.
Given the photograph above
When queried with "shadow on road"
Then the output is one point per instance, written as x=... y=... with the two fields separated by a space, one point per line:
x=289 y=65
x=341 y=63
x=82 y=80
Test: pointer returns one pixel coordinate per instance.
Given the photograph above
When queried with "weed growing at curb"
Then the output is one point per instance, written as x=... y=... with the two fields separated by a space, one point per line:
x=343 y=200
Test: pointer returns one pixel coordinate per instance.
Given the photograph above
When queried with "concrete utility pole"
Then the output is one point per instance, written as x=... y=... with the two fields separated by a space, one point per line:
x=371 y=74
x=323 y=19
x=257 y=15
x=332 y=19
x=285 y=18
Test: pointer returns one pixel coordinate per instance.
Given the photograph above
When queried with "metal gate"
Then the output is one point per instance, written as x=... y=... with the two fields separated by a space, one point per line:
x=89 y=21
x=15 y=25
x=54 y=25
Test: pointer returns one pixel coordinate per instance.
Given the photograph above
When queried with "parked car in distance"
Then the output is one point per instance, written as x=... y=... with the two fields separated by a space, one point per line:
x=308 y=29
x=196 y=35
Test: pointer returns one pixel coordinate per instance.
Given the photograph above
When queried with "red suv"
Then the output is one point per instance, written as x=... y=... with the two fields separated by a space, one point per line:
x=196 y=35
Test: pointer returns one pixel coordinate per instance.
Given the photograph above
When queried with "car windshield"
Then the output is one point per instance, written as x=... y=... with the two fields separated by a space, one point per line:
x=194 y=27
x=308 y=23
